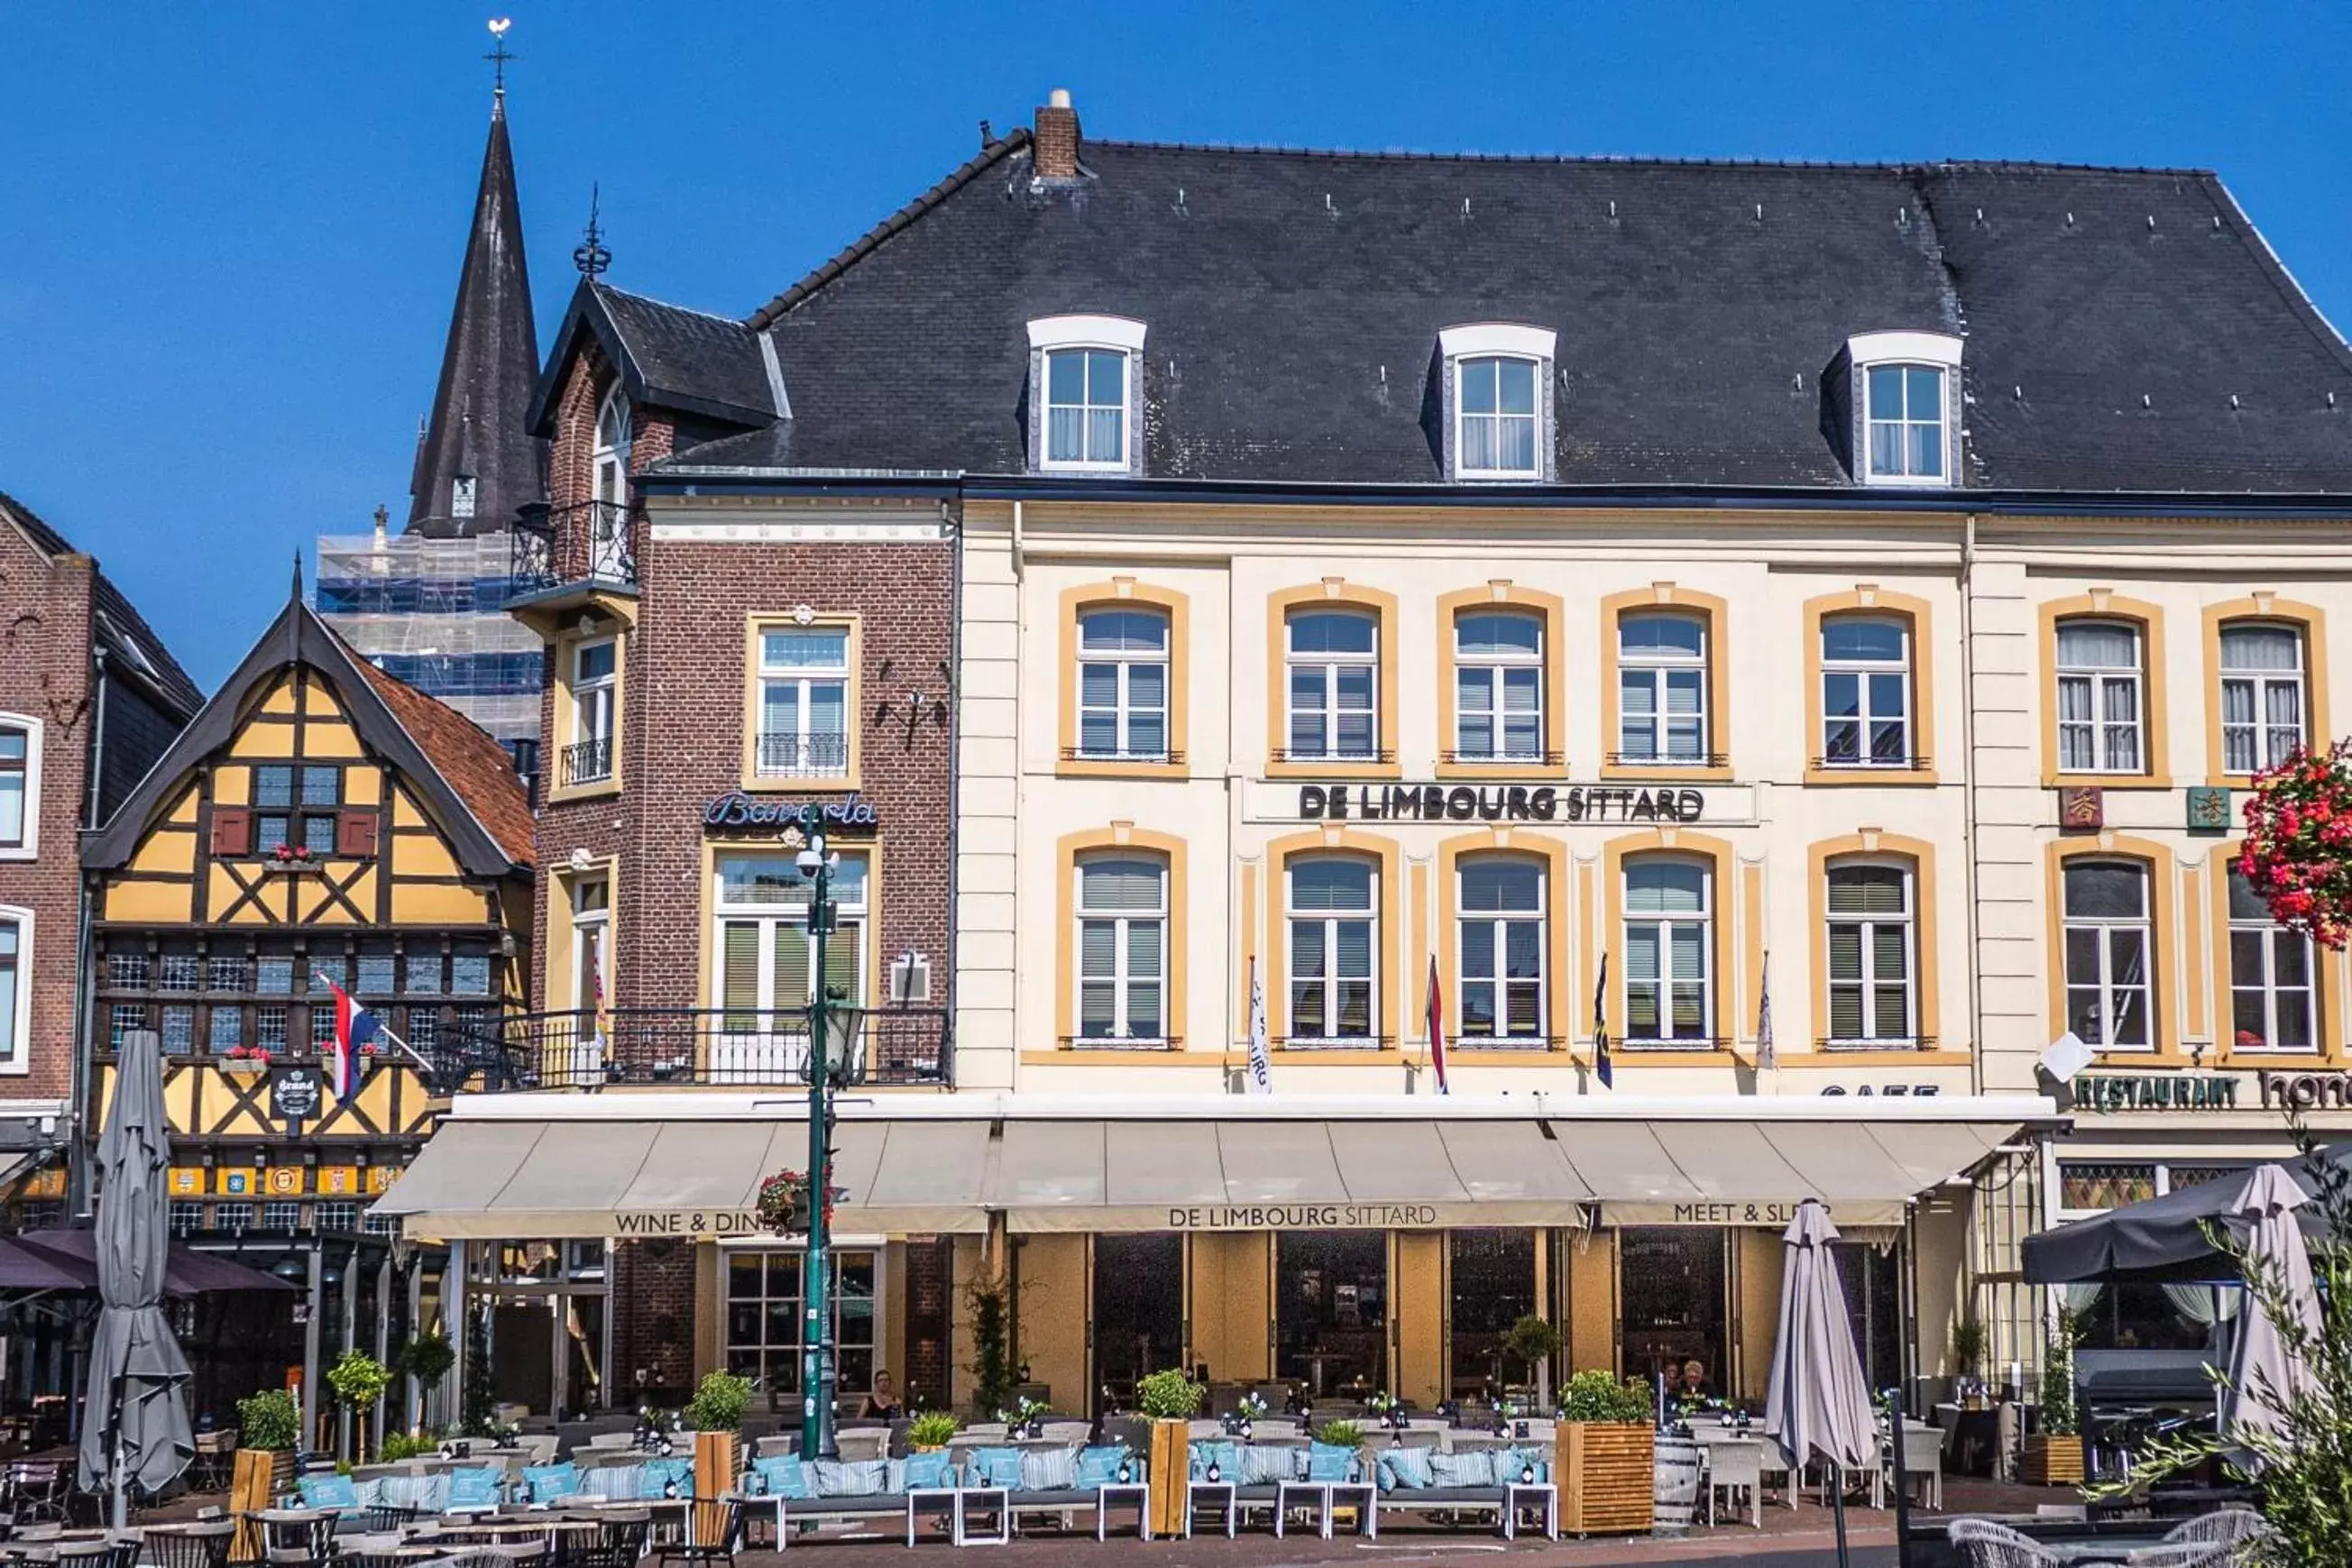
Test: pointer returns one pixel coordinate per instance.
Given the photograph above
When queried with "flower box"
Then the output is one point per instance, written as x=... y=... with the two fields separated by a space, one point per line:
x=1603 y=1471
x=2051 y=1461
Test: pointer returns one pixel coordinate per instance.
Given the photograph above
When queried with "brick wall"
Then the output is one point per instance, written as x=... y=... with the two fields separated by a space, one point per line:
x=653 y=1322
x=45 y=639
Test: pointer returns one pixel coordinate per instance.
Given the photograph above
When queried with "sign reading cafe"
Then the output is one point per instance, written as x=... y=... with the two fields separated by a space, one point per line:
x=1502 y=804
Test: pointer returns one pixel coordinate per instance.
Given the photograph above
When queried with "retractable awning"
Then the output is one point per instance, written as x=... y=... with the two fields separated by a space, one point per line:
x=690 y=1164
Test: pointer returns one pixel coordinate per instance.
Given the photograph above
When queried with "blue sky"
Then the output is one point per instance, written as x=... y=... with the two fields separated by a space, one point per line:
x=232 y=231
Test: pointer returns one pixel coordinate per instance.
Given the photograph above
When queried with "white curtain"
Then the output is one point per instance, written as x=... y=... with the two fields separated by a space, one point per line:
x=2206 y=1305
x=2077 y=1297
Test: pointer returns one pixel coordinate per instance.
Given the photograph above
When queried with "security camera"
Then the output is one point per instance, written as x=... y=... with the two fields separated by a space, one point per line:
x=808 y=861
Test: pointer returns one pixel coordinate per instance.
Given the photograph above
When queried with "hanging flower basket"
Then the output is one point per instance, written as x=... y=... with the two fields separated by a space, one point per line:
x=2298 y=848
x=783 y=1204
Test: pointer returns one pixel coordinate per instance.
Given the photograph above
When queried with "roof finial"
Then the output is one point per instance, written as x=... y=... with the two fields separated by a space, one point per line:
x=499 y=56
x=590 y=256
x=298 y=577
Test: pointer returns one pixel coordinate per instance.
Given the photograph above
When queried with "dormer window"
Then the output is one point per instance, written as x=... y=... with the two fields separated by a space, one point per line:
x=1082 y=373
x=1905 y=397
x=1498 y=381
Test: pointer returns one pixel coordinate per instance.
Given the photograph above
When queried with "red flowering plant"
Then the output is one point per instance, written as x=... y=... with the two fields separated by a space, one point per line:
x=2298 y=850
x=783 y=1204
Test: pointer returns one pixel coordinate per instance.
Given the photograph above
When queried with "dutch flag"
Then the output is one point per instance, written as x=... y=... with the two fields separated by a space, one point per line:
x=354 y=1027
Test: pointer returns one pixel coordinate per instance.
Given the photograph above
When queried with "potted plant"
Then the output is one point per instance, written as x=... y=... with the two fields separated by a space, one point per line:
x=715 y=1414
x=992 y=1354
x=1604 y=1452
x=1534 y=1341
x=269 y=1425
x=2054 y=1455
x=1969 y=1341
x=931 y=1430
x=426 y=1360
x=359 y=1380
x=1171 y=1399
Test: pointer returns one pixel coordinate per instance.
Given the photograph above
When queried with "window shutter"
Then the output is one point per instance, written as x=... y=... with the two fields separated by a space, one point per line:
x=232 y=831
x=356 y=833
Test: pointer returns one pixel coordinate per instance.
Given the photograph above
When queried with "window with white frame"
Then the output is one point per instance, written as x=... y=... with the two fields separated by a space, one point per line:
x=765 y=1317
x=1086 y=369
x=1122 y=941
x=591 y=946
x=1904 y=424
x=2273 y=1004
x=1334 y=666
x=1498 y=695
x=1669 y=952
x=1123 y=684
x=609 y=460
x=15 y=985
x=2100 y=686
x=1873 y=948
x=1866 y=692
x=803 y=702
x=2108 y=953
x=2262 y=695
x=1495 y=375
x=765 y=975
x=20 y=786
x=1662 y=681
x=595 y=692
x=1334 y=950
x=1500 y=918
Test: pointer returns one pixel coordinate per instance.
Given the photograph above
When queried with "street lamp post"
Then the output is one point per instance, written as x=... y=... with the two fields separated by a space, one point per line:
x=817 y=1372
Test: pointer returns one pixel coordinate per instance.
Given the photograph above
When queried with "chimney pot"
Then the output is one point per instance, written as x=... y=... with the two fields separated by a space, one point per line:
x=1057 y=150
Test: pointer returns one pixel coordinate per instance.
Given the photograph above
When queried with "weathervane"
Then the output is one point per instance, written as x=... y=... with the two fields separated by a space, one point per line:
x=498 y=55
x=591 y=257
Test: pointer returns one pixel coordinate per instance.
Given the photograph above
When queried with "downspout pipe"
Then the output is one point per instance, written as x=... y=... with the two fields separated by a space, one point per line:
x=1968 y=795
x=81 y=1084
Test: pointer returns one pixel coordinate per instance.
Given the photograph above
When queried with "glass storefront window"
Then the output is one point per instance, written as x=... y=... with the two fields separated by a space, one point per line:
x=2103 y=1184
x=1491 y=1277
x=1671 y=1290
x=1331 y=1296
x=1138 y=1308
x=763 y=1320
x=2139 y=1316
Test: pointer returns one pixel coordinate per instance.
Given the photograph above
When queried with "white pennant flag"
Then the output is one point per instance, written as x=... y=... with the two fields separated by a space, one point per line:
x=1261 y=1066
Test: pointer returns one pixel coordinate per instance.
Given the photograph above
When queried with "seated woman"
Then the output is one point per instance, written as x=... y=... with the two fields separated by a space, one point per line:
x=881 y=1400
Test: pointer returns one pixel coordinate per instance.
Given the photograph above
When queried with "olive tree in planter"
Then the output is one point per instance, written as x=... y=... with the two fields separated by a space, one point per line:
x=715 y=1416
x=1171 y=1399
x=1604 y=1449
x=269 y=1425
x=424 y=1360
x=1533 y=1342
x=359 y=1380
x=2053 y=1456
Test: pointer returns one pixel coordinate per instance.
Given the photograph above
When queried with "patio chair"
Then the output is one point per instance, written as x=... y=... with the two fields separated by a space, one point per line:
x=618 y=1542
x=1984 y=1544
x=992 y=1432
x=1735 y=1473
x=1923 y=1460
x=114 y=1551
x=194 y=1546
x=865 y=1443
x=216 y=1457
x=1068 y=1431
x=2224 y=1527
x=2190 y=1554
x=37 y=1491
x=700 y=1547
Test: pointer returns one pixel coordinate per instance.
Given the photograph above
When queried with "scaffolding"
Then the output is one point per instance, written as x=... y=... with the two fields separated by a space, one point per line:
x=431 y=611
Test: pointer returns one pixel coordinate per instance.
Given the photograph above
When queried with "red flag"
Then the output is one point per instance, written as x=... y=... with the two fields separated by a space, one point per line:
x=1436 y=1026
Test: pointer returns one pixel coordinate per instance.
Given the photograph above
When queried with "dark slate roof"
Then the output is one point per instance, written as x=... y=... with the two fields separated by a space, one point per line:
x=119 y=629
x=2111 y=316
x=487 y=369
x=668 y=357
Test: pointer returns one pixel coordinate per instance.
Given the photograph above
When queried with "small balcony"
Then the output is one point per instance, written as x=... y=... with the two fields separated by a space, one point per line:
x=586 y=762
x=568 y=559
x=729 y=1048
x=786 y=755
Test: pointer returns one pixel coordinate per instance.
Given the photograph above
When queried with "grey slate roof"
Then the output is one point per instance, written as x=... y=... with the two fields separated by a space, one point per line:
x=2111 y=316
x=487 y=369
x=117 y=627
x=668 y=355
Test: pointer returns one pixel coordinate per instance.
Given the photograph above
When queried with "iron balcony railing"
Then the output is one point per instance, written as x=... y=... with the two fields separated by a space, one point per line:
x=786 y=755
x=729 y=1047
x=588 y=761
x=592 y=542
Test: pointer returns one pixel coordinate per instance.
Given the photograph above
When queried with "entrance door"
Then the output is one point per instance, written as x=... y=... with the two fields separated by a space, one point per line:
x=1138 y=1310
x=1492 y=1279
x=1671 y=1282
x=521 y=1372
x=1331 y=1300
x=1870 y=1281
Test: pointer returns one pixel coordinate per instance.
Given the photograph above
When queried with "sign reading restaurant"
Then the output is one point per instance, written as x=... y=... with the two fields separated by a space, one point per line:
x=1613 y=804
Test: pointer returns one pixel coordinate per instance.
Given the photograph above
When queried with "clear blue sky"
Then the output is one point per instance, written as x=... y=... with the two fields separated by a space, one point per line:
x=229 y=233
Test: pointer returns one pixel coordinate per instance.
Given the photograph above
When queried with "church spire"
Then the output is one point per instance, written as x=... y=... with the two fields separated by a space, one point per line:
x=476 y=464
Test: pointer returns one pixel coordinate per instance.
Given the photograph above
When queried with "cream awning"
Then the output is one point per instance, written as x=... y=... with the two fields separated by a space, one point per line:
x=689 y=1164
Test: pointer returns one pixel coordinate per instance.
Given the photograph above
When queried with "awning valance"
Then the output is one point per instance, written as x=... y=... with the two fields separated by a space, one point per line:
x=683 y=1165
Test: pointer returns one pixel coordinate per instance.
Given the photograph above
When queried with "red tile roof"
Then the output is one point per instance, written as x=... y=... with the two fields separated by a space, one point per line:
x=477 y=766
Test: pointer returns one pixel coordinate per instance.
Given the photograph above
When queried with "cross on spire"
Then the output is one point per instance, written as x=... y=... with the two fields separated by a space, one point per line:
x=499 y=55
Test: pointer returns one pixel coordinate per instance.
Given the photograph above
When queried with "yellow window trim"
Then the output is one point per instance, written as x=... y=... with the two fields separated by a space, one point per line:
x=1121 y=590
x=1552 y=854
x=1120 y=836
x=2308 y=620
x=566 y=710
x=752 y=780
x=2103 y=604
x=2163 y=940
x=1717 y=614
x=1549 y=608
x=1392 y=1023
x=1331 y=592
x=1872 y=847
x=2225 y=1033
x=877 y=960
x=555 y=964
x=1862 y=601
x=1669 y=842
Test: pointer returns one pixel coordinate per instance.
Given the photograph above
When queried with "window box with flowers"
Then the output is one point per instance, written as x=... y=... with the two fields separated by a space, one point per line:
x=2298 y=848
x=245 y=1061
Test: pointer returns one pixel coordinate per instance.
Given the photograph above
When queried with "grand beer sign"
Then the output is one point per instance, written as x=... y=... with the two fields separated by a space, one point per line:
x=1599 y=804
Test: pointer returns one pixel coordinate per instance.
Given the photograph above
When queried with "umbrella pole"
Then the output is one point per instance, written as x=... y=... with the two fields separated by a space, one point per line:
x=1837 y=1506
x=121 y=1483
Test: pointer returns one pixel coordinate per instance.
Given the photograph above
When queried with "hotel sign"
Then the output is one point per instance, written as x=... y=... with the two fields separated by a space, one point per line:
x=1599 y=804
x=1303 y=1216
x=1776 y=1213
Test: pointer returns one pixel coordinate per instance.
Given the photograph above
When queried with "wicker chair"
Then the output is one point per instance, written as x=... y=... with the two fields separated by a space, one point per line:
x=2224 y=1527
x=2189 y=1554
x=1984 y=1544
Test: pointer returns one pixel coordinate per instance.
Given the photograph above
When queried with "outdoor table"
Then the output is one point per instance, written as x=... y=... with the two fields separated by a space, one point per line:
x=997 y=1497
x=1136 y=1492
x=1517 y=1495
x=1223 y=1492
x=1363 y=1496
x=1317 y=1495
x=920 y=1498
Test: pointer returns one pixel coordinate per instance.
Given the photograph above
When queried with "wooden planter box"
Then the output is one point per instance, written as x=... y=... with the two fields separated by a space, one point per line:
x=717 y=1466
x=2052 y=1461
x=258 y=1478
x=1603 y=1471
x=1170 y=1473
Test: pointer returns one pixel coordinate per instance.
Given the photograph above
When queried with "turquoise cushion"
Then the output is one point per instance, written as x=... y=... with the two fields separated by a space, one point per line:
x=659 y=1473
x=781 y=1475
x=931 y=1471
x=1227 y=1457
x=551 y=1483
x=328 y=1491
x=1471 y=1469
x=616 y=1483
x=1405 y=1470
x=852 y=1478
x=1264 y=1464
x=1510 y=1462
x=1330 y=1462
x=1098 y=1466
x=996 y=1468
x=476 y=1487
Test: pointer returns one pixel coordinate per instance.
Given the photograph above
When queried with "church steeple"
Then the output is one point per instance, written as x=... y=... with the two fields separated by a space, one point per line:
x=476 y=464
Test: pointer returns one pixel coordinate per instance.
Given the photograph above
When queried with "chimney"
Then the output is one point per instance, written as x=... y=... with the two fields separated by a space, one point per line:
x=1056 y=154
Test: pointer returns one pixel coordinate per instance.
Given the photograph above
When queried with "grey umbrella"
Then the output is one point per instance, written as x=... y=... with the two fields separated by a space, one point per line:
x=2263 y=1366
x=135 y=1420
x=1818 y=1402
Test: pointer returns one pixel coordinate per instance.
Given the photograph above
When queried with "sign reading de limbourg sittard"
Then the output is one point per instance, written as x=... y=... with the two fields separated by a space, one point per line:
x=1608 y=803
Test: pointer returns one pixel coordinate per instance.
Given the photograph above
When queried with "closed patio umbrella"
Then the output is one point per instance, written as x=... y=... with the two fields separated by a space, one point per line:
x=1818 y=1402
x=2262 y=1362
x=135 y=1423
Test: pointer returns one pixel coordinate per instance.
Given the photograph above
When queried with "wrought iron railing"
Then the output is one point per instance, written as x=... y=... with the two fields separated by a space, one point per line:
x=787 y=755
x=588 y=761
x=726 y=1047
x=595 y=541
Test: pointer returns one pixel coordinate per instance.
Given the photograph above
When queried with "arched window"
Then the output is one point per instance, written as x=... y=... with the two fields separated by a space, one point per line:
x=1334 y=948
x=1123 y=652
x=1866 y=692
x=1873 y=943
x=2274 y=1002
x=2263 y=698
x=1662 y=682
x=1333 y=665
x=609 y=463
x=1669 y=944
x=1498 y=680
x=2108 y=937
x=1500 y=914
x=1122 y=945
x=2100 y=682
